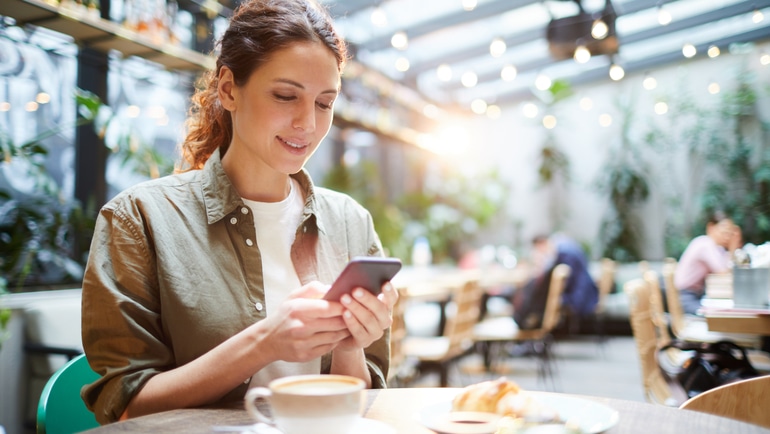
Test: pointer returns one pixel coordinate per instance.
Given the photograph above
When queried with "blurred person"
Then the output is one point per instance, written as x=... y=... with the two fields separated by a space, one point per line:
x=704 y=255
x=580 y=292
x=204 y=283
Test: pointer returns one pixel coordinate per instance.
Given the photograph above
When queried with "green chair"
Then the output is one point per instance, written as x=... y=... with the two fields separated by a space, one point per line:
x=61 y=410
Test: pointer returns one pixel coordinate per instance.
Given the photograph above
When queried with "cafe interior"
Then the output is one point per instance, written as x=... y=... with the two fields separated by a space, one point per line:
x=469 y=129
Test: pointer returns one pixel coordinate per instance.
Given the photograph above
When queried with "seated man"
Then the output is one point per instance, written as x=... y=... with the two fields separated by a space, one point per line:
x=580 y=293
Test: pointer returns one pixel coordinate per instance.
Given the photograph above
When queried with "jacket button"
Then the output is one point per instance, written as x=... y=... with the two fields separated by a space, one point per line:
x=249 y=242
x=245 y=210
x=259 y=306
x=233 y=220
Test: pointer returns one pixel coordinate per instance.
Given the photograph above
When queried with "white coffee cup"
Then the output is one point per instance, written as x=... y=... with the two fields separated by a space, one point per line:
x=301 y=404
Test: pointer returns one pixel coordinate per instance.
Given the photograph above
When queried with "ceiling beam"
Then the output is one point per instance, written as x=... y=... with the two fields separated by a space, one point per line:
x=340 y=9
x=598 y=74
x=482 y=11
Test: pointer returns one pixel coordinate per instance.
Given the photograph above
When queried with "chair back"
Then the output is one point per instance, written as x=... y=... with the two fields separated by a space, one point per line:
x=398 y=333
x=675 y=310
x=745 y=400
x=656 y=389
x=459 y=327
x=605 y=283
x=552 y=313
x=61 y=410
x=658 y=312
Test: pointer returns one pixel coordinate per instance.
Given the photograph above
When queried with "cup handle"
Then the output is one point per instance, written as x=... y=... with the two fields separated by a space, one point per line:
x=250 y=400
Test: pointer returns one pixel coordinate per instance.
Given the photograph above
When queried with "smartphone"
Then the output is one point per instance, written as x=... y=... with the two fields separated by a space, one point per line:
x=368 y=272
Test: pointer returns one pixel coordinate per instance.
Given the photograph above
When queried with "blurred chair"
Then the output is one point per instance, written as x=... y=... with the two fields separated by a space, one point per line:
x=492 y=334
x=61 y=410
x=606 y=284
x=746 y=400
x=440 y=352
x=656 y=388
x=399 y=365
x=694 y=328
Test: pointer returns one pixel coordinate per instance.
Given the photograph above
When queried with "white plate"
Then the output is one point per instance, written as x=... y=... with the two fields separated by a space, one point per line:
x=592 y=417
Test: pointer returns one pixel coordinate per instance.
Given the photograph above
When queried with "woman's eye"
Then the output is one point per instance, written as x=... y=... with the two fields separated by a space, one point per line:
x=283 y=97
x=325 y=106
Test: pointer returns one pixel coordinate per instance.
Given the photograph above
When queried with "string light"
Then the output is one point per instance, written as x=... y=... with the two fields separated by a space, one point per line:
x=757 y=16
x=689 y=50
x=599 y=29
x=402 y=64
x=650 y=82
x=549 y=121
x=605 y=120
x=378 y=17
x=764 y=59
x=133 y=111
x=493 y=111
x=713 y=51
x=469 y=5
x=661 y=108
x=617 y=72
x=497 y=47
x=582 y=54
x=586 y=103
x=508 y=73
x=43 y=98
x=542 y=82
x=479 y=106
x=530 y=110
x=444 y=72
x=31 y=106
x=5 y=106
x=469 y=79
x=664 y=17
x=713 y=88
x=399 y=41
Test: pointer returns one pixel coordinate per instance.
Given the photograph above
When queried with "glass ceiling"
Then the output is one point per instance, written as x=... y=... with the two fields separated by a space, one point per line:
x=456 y=35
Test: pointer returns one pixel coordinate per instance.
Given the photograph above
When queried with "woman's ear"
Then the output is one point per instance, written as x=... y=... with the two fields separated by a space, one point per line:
x=226 y=88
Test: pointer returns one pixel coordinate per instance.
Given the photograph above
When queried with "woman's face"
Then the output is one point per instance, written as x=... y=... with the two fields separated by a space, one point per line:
x=721 y=232
x=284 y=110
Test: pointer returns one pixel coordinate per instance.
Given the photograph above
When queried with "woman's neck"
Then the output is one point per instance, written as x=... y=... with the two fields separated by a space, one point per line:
x=254 y=181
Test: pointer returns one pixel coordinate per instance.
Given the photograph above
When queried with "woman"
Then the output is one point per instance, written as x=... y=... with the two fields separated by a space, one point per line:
x=187 y=296
x=706 y=254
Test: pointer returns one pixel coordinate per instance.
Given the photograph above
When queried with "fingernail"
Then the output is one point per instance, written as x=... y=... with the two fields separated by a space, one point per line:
x=358 y=293
x=346 y=299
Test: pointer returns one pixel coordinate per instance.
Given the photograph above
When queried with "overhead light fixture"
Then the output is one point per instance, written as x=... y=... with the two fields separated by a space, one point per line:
x=617 y=72
x=565 y=34
x=378 y=17
x=605 y=120
x=689 y=50
x=497 y=47
x=582 y=54
x=664 y=16
x=508 y=73
x=469 y=79
x=529 y=110
x=661 y=108
x=399 y=40
x=549 y=121
x=764 y=59
x=444 y=72
x=586 y=103
x=479 y=106
x=714 y=88
x=713 y=51
x=757 y=16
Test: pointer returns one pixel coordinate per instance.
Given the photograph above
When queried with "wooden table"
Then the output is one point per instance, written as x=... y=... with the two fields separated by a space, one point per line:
x=750 y=321
x=397 y=407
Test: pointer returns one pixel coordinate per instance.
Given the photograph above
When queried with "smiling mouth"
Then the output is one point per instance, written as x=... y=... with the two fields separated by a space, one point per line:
x=292 y=144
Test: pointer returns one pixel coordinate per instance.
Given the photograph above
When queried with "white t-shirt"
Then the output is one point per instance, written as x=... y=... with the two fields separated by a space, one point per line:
x=276 y=224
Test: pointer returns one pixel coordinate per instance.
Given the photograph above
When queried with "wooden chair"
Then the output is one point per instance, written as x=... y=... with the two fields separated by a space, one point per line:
x=605 y=283
x=746 y=400
x=689 y=327
x=440 y=352
x=493 y=333
x=398 y=361
x=656 y=388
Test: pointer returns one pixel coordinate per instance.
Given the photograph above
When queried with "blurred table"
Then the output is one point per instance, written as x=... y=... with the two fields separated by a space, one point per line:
x=398 y=407
x=738 y=320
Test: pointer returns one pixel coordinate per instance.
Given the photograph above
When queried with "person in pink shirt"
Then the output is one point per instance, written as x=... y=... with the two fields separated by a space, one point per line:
x=706 y=254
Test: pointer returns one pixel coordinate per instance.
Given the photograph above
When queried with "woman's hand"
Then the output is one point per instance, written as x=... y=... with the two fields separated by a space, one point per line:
x=366 y=316
x=304 y=327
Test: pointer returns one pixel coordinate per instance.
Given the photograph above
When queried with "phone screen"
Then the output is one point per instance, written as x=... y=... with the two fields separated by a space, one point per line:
x=367 y=272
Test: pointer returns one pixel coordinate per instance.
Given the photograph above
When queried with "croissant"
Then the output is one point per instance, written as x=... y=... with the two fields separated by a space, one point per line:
x=487 y=396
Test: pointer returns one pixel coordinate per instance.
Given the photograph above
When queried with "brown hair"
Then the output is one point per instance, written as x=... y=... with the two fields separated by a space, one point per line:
x=257 y=29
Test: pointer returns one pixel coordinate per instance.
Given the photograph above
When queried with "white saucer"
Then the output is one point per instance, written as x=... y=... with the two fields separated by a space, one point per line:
x=371 y=426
